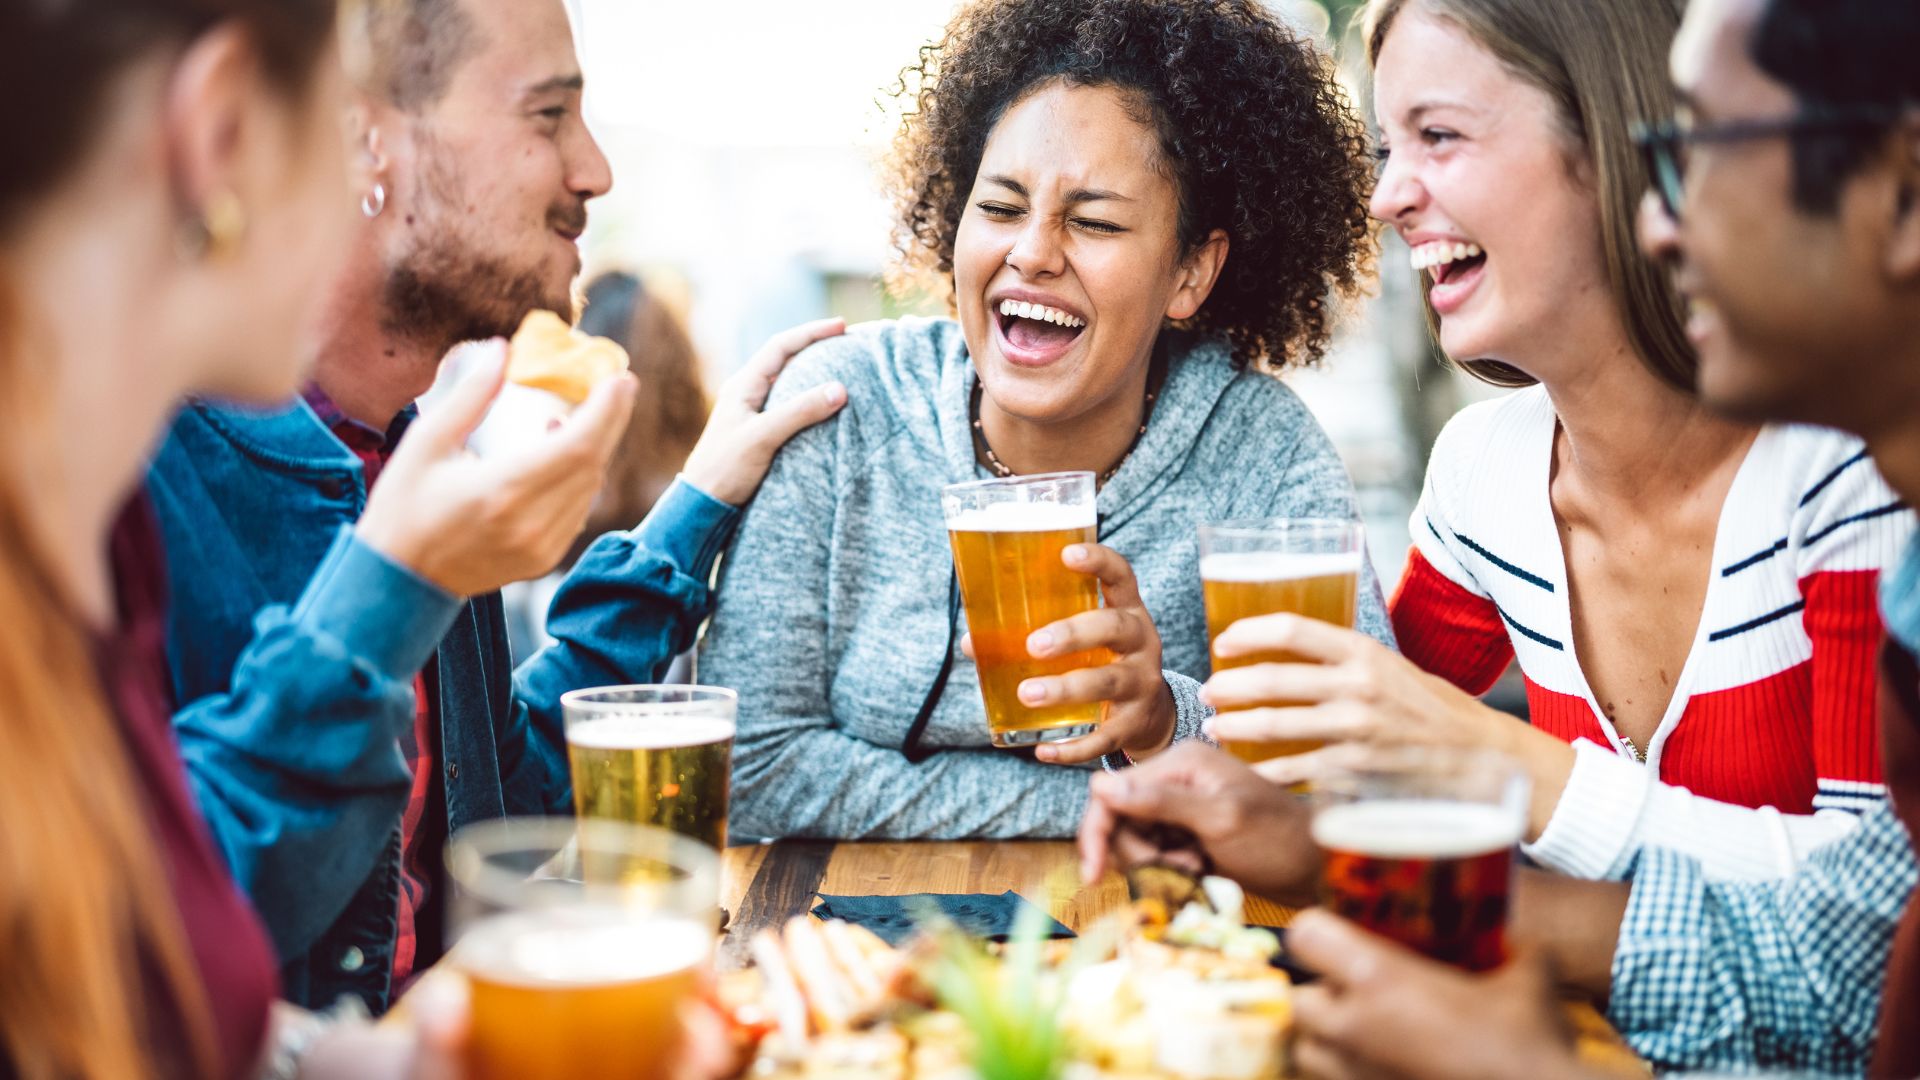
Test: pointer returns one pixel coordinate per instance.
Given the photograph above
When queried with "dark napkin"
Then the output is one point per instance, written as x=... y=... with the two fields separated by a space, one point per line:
x=894 y=917
x=1285 y=961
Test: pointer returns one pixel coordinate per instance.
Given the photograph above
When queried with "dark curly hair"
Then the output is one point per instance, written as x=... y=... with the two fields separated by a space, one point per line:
x=1259 y=138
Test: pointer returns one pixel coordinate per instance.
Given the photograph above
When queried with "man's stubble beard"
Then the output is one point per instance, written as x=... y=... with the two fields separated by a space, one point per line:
x=443 y=291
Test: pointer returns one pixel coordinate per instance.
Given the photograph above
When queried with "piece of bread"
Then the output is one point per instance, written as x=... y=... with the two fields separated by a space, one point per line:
x=549 y=355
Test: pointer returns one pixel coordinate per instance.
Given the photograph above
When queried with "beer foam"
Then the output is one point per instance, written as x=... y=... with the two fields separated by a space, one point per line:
x=1277 y=565
x=1416 y=829
x=663 y=731
x=1023 y=517
x=552 y=949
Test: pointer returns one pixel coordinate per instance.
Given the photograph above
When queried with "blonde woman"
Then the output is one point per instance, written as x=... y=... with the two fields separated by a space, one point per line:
x=1690 y=598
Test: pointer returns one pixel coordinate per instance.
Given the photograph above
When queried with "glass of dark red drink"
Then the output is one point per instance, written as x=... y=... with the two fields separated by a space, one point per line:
x=1419 y=848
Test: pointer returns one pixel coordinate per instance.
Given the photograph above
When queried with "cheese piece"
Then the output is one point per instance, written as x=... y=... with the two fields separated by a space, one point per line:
x=547 y=354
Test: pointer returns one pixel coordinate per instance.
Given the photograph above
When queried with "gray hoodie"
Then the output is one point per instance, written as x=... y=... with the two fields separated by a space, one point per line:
x=832 y=608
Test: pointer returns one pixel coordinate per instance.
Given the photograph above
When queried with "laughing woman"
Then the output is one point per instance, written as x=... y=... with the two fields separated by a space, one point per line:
x=1139 y=210
x=1690 y=598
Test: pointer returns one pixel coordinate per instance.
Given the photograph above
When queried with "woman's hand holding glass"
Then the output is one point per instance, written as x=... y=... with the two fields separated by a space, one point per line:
x=1140 y=710
x=1356 y=695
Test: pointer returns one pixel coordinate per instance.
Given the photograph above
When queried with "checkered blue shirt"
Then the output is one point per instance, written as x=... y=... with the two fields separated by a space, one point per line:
x=1782 y=974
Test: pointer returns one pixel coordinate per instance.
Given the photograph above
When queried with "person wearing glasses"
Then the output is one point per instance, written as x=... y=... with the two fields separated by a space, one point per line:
x=1689 y=597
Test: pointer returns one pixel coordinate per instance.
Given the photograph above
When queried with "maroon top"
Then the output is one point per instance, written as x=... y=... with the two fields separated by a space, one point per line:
x=228 y=943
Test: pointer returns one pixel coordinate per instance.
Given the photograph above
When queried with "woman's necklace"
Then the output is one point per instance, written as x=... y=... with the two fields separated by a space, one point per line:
x=985 y=455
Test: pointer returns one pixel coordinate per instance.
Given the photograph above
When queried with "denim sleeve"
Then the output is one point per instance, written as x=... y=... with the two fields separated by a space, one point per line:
x=632 y=603
x=1783 y=974
x=297 y=767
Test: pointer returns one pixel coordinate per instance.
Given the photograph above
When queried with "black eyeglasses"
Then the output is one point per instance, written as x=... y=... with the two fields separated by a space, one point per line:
x=1665 y=144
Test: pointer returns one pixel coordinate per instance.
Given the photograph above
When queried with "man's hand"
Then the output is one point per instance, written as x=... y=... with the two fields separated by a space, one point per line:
x=471 y=525
x=1252 y=831
x=1382 y=1011
x=736 y=449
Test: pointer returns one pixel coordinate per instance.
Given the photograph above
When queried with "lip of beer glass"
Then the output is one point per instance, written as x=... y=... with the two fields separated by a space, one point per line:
x=1007 y=538
x=1419 y=848
x=653 y=755
x=1307 y=566
x=581 y=943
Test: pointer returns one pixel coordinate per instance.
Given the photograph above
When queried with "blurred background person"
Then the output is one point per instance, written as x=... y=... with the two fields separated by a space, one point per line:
x=667 y=419
x=1690 y=597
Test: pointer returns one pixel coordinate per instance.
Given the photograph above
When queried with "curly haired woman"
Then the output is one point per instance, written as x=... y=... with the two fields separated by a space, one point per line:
x=1138 y=210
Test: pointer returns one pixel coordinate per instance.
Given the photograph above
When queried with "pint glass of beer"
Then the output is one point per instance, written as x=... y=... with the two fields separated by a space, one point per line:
x=653 y=755
x=581 y=942
x=1419 y=848
x=1307 y=566
x=1007 y=538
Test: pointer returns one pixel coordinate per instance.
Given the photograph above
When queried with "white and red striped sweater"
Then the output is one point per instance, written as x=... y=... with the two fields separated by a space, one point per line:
x=1775 y=705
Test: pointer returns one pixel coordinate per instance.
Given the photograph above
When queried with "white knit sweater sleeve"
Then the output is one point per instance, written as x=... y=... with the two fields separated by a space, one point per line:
x=1612 y=808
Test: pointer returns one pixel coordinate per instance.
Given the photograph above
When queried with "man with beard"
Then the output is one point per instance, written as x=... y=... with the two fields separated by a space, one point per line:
x=346 y=697
x=1788 y=203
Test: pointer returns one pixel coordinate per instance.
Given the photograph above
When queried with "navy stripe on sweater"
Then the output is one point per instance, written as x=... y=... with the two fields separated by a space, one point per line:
x=1531 y=579
x=1532 y=635
x=1780 y=545
x=1814 y=491
x=1893 y=507
x=1756 y=558
x=1757 y=623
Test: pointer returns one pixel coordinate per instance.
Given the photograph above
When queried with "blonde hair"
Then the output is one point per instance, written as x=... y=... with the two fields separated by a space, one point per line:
x=1604 y=64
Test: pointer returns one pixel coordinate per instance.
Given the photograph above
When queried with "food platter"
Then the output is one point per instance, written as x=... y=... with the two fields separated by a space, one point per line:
x=1193 y=996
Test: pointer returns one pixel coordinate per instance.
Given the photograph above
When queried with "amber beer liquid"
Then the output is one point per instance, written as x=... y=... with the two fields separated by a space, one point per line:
x=1244 y=584
x=673 y=772
x=554 y=999
x=1434 y=875
x=1008 y=559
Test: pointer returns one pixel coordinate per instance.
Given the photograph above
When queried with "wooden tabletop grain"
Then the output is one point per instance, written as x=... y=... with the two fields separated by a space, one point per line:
x=764 y=885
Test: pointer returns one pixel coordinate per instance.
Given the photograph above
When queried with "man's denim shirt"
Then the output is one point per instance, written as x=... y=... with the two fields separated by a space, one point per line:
x=293 y=648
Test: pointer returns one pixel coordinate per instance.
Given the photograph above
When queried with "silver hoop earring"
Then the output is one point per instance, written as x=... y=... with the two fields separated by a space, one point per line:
x=374 y=201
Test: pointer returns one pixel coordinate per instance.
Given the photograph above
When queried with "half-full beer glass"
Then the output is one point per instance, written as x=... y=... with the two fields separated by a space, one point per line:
x=1307 y=566
x=1419 y=848
x=653 y=755
x=1007 y=538
x=581 y=942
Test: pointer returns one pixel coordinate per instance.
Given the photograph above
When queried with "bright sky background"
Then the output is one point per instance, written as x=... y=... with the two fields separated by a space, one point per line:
x=756 y=73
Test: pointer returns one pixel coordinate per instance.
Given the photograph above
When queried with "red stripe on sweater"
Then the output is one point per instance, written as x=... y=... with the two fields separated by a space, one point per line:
x=1749 y=745
x=1843 y=619
x=1764 y=743
x=1447 y=630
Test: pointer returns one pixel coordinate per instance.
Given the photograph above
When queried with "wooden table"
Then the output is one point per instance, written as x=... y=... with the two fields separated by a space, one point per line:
x=763 y=886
